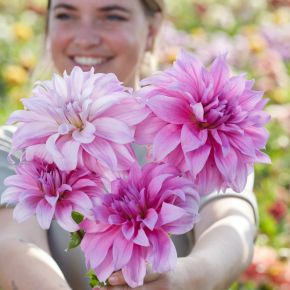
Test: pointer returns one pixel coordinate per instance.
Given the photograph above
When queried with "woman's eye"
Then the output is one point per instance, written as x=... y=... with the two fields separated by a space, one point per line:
x=115 y=17
x=63 y=16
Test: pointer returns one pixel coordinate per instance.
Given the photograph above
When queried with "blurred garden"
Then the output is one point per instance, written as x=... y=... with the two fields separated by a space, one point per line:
x=256 y=36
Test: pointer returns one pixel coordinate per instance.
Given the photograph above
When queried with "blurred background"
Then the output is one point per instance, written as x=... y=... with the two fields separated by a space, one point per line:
x=256 y=35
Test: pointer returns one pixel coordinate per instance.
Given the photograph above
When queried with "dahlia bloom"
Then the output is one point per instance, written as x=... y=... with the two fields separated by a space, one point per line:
x=131 y=223
x=41 y=189
x=206 y=122
x=80 y=115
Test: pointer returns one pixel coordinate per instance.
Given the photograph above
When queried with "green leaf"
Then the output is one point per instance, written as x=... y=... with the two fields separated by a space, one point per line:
x=75 y=239
x=94 y=281
x=77 y=217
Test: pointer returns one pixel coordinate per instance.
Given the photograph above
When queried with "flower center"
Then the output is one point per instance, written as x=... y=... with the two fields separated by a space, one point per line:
x=129 y=204
x=51 y=181
x=214 y=114
x=73 y=115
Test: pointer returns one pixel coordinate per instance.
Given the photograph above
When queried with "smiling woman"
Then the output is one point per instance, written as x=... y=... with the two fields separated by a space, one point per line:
x=109 y=35
x=112 y=36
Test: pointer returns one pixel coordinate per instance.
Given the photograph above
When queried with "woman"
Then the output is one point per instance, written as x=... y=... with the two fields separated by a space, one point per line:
x=113 y=36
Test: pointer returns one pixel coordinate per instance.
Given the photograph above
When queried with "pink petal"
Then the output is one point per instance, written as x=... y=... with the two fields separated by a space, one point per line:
x=106 y=268
x=80 y=201
x=163 y=253
x=166 y=141
x=86 y=135
x=63 y=216
x=25 y=209
x=151 y=219
x=44 y=214
x=38 y=151
x=197 y=159
x=60 y=86
x=113 y=130
x=128 y=230
x=28 y=134
x=101 y=246
x=141 y=238
x=64 y=151
x=192 y=138
x=155 y=185
x=102 y=150
x=147 y=130
x=220 y=73
x=90 y=226
x=129 y=111
x=198 y=111
x=122 y=251
x=261 y=157
x=226 y=165
x=10 y=195
x=125 y=155
x=134 y=272
x=171 y=110
x=169 y=213
x=182 y=225
x=21 y=182
x=234 y=87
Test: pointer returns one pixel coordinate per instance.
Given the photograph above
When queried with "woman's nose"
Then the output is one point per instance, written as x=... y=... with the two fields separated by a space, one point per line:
x=87 y=37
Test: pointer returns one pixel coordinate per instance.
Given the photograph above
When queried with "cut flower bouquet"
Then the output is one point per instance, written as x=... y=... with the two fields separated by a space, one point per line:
x=203 y=130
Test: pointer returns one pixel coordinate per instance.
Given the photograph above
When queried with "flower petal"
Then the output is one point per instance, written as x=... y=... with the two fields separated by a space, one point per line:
x=113 y=130
x=167 y=139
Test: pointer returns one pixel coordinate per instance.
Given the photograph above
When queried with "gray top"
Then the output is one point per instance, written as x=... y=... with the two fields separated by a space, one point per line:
x=72 y=262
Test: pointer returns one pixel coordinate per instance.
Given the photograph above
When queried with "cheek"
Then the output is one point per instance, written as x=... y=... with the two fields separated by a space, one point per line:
x=130 y=45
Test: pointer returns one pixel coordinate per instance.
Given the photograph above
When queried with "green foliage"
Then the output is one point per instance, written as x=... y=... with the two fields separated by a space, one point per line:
x=77 y=217
x=94 y=281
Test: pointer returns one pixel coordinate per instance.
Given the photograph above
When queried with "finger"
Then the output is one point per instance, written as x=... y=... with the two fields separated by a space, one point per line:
x=117 y=278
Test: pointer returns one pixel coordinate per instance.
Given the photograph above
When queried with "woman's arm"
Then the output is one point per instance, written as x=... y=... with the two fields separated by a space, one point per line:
x=25 y=260
x=223 y=249
x=224 y=240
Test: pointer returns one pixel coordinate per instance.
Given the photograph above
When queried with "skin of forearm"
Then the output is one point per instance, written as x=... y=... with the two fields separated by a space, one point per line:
x=25 y=266
x=225 y=247
x=25 y=258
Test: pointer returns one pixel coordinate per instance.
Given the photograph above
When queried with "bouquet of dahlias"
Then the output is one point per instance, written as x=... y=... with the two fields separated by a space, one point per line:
x=204 y=131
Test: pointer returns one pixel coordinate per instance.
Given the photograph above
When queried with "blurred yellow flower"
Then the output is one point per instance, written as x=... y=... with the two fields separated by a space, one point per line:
x=15 y=75
x=22 y=31
x=279 y=95
x=256 y=43
x=281 y=16
x=28 y=61
x=171 y=54
x=249 y=29
x=198 y=32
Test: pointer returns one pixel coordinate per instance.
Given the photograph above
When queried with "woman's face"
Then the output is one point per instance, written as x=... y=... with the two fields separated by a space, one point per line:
x=109 y=35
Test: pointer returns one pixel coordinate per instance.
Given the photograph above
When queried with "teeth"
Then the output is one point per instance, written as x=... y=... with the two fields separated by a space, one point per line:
x=88 y=60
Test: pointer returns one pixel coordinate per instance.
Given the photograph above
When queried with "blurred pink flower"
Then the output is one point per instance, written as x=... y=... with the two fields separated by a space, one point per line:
x=132 y=223
x=205 y=122
x=43 y=190
x=82 y=114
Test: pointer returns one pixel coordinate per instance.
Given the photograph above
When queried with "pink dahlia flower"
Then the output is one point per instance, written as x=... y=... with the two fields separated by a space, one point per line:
x=43 y=190
x=206 y=122
x=80 y=115
x=132 y=223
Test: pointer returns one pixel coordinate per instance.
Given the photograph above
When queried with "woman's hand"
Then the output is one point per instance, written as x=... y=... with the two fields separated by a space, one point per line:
x=188 y=275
